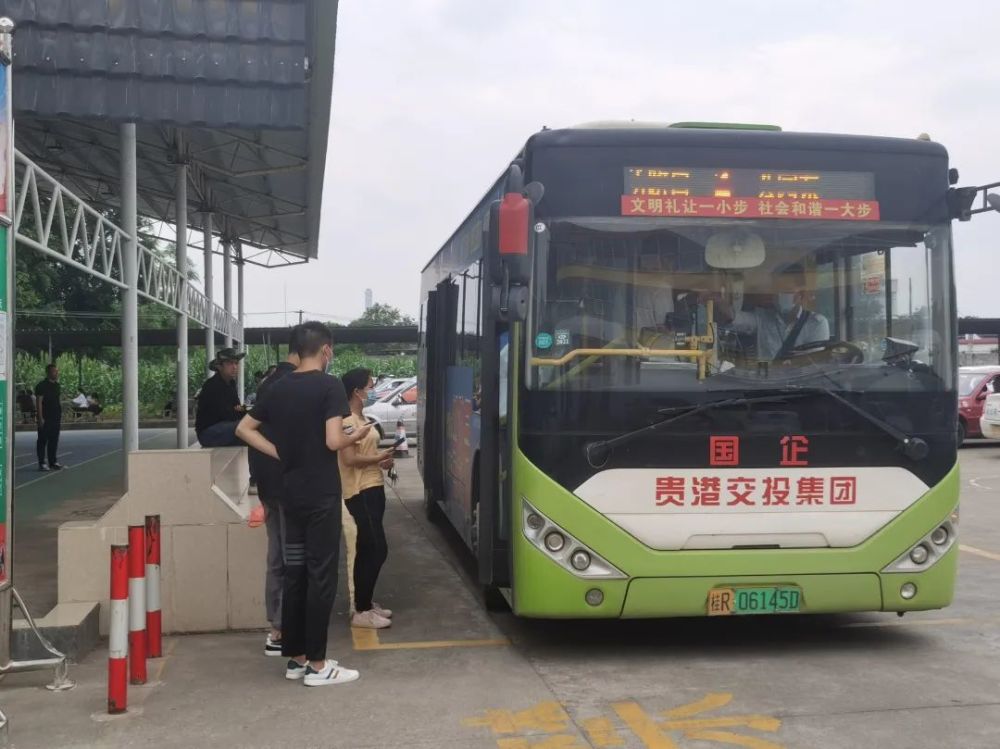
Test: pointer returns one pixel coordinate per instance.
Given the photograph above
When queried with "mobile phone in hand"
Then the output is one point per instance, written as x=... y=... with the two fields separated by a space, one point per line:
x=399 y=441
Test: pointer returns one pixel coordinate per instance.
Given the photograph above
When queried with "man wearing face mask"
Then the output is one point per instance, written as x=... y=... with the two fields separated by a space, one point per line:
x=786 y=325
x=303 y=413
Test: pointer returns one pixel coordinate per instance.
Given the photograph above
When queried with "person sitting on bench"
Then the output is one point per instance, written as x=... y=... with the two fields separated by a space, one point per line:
x=219 y=407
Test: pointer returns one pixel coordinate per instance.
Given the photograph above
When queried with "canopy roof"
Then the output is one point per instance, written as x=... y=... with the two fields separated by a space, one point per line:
x=239 y=90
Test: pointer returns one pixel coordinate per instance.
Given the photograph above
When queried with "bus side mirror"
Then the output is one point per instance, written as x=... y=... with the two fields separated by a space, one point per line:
x=510 y=242
x=960 y=201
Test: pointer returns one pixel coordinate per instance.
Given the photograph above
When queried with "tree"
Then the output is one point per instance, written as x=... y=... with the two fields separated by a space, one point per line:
x=382 y=316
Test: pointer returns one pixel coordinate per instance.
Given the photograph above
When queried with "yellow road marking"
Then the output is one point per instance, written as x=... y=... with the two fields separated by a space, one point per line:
x=545 y=717
x=602 y=733
x=642 y=726
x=521 y=729
x=368 y=639
x=711 y=701
x=980 y=552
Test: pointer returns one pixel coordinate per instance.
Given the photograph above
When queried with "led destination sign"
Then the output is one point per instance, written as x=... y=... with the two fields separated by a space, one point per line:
x=749 y=193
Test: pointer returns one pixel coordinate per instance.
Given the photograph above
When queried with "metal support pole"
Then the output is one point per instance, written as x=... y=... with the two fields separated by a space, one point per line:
x=241 y=381
x=130 y=296
x=227 y=283
x=209 y=294
x=182 y=318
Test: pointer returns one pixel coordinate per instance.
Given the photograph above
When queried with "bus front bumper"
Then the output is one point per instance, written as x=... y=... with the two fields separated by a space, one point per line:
x=661 y=597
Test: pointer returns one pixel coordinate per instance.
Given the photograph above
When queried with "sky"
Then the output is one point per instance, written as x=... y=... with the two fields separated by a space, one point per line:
x=432 y=98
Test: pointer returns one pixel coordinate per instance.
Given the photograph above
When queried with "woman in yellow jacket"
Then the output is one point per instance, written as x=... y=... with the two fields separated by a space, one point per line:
x=361 y=466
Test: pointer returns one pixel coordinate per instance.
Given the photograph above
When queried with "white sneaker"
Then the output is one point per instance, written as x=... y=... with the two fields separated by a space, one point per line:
x=383 y=612
x=369 y=620
x=331 y=673
x=295 y=671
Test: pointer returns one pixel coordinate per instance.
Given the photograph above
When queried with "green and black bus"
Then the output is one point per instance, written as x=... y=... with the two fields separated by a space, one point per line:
x=699 y=369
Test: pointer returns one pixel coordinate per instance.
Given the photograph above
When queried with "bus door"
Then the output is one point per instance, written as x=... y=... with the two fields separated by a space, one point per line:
x=494 y=500
x=441 y=307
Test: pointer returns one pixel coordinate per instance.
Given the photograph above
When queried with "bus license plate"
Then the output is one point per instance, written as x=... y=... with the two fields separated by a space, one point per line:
x=775 y=600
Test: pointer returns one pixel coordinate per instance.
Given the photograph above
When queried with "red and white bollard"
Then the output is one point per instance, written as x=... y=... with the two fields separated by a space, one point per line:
x=117 y=637
x=137 y=603
x=154 y=621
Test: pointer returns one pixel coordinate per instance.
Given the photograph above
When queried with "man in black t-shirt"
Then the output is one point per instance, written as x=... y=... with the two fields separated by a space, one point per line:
x=48 y=409
x=303 y=414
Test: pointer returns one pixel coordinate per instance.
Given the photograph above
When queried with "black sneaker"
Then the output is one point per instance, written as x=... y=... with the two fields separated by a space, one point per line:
x=57 y=466
x=272 y=647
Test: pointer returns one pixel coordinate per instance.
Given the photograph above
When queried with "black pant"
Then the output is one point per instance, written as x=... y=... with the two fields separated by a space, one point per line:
x=312 y=548
x=368 y=509
x=48 y=440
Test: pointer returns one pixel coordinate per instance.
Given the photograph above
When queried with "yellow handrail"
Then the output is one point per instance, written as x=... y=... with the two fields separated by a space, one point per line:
x=578 y=352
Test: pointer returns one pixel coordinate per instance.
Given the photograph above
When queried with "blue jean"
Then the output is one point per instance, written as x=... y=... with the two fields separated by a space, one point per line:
x=222 y=434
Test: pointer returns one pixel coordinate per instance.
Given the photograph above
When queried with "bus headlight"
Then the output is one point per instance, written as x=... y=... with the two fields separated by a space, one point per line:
x=927 y=551
x=940 y=536
x=554 y=541
x=580 y=560
x=919 y=554
x=563 y=549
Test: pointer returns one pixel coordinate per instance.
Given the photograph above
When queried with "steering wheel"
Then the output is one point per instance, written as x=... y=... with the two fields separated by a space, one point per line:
x=841 y=352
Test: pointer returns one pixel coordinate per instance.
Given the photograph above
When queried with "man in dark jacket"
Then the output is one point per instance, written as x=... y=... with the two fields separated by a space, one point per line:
x=219 y=407
x=48 y=396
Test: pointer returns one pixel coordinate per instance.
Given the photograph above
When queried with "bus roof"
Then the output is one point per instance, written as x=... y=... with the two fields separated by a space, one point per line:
x=649 y=134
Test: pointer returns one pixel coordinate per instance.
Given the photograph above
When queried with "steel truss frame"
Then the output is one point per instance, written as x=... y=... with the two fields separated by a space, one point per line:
x=71 y=231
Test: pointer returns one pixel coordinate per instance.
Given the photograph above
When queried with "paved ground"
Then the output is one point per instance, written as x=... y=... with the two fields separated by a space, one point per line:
x=449 y=675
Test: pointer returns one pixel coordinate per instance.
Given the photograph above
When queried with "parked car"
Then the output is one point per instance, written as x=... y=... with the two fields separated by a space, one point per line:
x=386 y=386
x=400 y=403
x=990 y=421
x=974 y=384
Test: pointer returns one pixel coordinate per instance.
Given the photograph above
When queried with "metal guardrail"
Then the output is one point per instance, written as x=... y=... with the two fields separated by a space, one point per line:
x=66 y=229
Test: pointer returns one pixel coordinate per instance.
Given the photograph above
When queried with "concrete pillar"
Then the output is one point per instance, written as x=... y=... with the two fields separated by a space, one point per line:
x=210 y=295
x=227 y=283
x=181 y=221
x=241 y=381
x=130 y=296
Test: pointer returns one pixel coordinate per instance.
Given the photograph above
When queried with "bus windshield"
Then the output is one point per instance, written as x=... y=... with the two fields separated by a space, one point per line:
x=652 y=305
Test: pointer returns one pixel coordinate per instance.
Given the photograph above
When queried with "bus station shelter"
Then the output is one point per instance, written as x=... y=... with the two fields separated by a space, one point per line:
x=208 y=118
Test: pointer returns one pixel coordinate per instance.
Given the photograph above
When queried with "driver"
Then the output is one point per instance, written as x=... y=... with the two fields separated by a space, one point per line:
x=786 y=324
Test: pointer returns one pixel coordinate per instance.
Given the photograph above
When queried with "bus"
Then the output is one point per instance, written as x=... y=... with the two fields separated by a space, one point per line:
x=696 y=370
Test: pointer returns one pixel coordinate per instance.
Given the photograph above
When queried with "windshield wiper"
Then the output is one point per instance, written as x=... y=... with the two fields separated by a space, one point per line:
x=598 y=452
x=914 y=448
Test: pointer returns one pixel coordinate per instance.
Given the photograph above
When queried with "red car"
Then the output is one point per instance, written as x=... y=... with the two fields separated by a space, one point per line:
x=974 y=384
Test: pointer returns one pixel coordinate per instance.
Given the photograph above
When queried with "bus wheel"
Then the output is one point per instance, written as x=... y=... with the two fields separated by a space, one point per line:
x=432 y=509
x=494 y=600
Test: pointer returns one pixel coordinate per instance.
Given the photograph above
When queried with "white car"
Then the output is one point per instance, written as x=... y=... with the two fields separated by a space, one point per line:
x=989 y=422
x=398 y=404
x=385 y=386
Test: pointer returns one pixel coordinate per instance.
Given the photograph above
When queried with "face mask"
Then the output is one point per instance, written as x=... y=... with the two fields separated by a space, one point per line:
x=786 y=302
